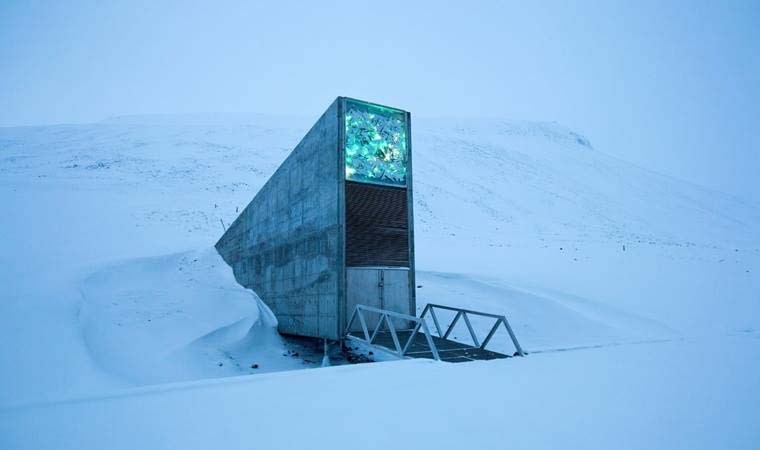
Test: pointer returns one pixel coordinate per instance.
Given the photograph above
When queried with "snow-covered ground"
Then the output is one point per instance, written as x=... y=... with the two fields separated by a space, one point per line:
x=178 y=317
x=647 y=396
x=637 y=295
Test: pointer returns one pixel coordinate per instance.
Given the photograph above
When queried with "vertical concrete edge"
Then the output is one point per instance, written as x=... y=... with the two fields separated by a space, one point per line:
x=341 y=300
x=410 y=207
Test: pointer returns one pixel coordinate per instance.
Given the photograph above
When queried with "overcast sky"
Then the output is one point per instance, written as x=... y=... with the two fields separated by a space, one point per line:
x=671 y=86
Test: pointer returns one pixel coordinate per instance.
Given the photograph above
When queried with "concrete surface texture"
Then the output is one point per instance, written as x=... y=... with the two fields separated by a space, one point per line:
x=287 y=244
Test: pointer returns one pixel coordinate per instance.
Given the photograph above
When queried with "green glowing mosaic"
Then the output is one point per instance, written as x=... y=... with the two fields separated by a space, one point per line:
x=376 y=149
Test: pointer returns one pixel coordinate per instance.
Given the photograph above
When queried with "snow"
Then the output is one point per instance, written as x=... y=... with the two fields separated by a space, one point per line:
x=633 y=397
x=178 y=317
x=636 y=295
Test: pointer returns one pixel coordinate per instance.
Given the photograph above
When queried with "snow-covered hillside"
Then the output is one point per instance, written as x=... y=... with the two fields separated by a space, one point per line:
x=109 y=281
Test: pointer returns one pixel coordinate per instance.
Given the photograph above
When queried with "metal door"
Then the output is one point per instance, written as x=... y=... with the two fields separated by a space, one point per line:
x=395 y=294
x=379 y=287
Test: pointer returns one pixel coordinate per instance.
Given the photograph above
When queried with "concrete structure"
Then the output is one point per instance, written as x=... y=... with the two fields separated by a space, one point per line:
x=333 y=226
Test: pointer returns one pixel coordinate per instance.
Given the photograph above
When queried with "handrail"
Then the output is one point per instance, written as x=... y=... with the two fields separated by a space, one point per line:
x=421 y=326
x=385 y=316
x=463 y=313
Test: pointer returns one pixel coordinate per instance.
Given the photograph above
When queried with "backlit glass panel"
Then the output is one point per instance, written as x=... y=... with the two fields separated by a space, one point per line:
x=375 y=147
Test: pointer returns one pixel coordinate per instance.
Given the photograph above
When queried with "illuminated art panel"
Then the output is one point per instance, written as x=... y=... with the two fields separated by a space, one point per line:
x=376 y=150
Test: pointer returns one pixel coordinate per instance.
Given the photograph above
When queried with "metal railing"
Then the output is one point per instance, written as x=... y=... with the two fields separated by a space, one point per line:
x=421 y=327
x=385 y=317
x=463 y=313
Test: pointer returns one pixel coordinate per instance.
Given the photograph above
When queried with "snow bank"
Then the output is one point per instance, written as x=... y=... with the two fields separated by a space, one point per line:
x=176 y=317
x=648 y=396
x=542 y=319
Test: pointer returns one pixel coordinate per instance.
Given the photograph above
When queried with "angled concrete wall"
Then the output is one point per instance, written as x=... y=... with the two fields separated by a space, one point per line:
x=287 y=244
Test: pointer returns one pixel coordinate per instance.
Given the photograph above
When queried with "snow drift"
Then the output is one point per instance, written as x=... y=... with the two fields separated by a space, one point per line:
x=177 y=317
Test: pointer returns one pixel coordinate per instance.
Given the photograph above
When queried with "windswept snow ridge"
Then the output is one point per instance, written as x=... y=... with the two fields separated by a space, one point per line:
x=178 y=317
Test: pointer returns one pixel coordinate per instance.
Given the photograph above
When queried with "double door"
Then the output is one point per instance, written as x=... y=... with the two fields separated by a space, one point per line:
x=380 y=287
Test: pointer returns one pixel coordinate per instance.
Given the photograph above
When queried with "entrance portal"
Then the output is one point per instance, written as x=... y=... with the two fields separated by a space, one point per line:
x=379 y=287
